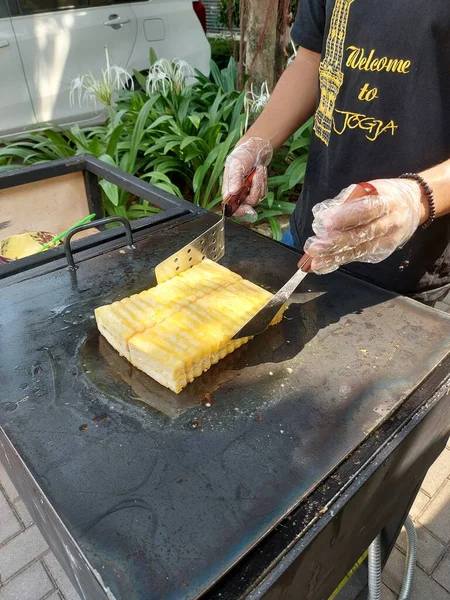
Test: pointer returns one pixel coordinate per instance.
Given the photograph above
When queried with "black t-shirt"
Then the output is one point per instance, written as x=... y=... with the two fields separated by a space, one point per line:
x=384 y=109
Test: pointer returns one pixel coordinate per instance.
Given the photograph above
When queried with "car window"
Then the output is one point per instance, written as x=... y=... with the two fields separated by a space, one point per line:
x=4 y=12
x=29 y=7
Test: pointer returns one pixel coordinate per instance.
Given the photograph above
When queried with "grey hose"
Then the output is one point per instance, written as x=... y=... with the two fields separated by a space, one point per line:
x=374 y=582
x=410 y=566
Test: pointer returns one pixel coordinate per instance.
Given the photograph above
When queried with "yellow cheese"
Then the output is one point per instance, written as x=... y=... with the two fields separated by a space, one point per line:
x=179 y=329
x=119 y=321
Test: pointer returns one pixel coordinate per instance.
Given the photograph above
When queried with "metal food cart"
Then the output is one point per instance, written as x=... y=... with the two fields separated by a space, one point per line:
x=315 y=438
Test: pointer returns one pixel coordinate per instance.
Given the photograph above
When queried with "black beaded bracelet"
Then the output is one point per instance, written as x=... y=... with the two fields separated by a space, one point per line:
x=428 y=194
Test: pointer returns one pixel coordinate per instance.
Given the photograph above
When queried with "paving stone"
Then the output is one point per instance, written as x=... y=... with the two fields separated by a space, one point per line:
x=21 y=550
x=442 y=306
x=393 y=571
x=445 y=302
x=425 y=588
x=442 y=573
x=436 y=516
x=9 y=525
x=32 y=584
x=420 y=503
x=24 y=515
x=429 y=549
x=61 y=579
x=7 y=484
x=437 y=473
x=386 y=593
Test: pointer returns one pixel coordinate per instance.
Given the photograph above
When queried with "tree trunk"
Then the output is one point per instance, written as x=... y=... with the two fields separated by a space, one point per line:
x=261 y=22
x=284 y=8
x=242 y=32
x=264 y=24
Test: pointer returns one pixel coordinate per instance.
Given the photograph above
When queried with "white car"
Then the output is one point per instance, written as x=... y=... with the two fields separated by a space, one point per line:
x=45 y=44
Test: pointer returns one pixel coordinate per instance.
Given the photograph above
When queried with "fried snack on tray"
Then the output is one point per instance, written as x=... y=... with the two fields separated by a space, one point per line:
x=180 y=328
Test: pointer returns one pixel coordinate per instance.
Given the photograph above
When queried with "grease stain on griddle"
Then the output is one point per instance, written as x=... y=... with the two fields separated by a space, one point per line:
x=197 y=424
x=208 y=400
x=100 y=418
x=264 y=360
x=37 y=370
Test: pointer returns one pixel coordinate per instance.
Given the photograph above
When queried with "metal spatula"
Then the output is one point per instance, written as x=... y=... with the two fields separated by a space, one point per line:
x=261 y=321
x=210 y=244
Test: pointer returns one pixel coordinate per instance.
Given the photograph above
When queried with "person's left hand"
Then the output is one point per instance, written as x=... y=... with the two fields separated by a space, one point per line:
x=368 y=229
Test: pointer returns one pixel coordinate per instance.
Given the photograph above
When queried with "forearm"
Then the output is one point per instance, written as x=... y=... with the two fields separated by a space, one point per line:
x=291 y=103
x=438 y=178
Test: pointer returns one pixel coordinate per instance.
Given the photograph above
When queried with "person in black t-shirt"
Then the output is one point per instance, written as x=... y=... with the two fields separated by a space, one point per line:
x=376 y=76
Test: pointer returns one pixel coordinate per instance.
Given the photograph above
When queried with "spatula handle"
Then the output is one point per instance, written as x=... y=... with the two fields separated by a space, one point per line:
x=232 y=202
x=361 y=190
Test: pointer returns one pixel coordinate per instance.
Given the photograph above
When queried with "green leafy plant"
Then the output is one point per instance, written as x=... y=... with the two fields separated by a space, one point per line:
x=222 y=49
x=229 y=13
x=174 y=135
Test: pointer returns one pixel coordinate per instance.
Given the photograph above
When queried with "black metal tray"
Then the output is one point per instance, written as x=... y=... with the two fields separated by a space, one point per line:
x=93 y=171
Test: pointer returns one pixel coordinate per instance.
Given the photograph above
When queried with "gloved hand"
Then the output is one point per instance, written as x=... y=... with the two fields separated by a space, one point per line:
x=255 y=152
x=366 y=230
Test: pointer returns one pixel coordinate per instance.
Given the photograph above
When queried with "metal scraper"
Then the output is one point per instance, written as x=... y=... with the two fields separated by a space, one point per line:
x=210 y=244
x=263 y=318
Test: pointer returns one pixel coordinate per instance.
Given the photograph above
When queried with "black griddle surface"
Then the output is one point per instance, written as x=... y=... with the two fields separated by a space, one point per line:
x=165 y=495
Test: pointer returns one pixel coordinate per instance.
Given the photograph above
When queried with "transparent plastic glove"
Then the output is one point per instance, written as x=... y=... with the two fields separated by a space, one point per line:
x=255 y=152
x=366 y=230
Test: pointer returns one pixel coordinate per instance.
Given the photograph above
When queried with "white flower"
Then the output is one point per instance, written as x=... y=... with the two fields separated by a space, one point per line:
x=165 y=75
x=103 y=90
x=255 y=101
x=293 y=55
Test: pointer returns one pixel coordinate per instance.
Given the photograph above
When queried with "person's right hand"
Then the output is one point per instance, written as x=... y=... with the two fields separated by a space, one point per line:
x=255 y=152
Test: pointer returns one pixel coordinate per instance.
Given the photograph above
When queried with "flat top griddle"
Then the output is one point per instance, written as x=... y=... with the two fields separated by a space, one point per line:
x=163 y=493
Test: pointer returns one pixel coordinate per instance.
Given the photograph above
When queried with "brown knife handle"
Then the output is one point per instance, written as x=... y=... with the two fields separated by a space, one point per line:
x=232 y=201
x=361 y=191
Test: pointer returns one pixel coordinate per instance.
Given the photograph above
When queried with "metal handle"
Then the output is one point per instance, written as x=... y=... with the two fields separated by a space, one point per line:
x=4 y=43
x=232 y=202
x=361 y=191
x=116 y=22
x=68 y=250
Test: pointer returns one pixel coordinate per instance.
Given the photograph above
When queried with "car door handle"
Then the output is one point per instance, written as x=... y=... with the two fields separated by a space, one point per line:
x=4 y=43
x=116 y=22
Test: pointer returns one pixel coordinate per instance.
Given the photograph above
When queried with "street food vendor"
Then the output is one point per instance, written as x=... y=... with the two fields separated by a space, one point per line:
x=376 y=76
